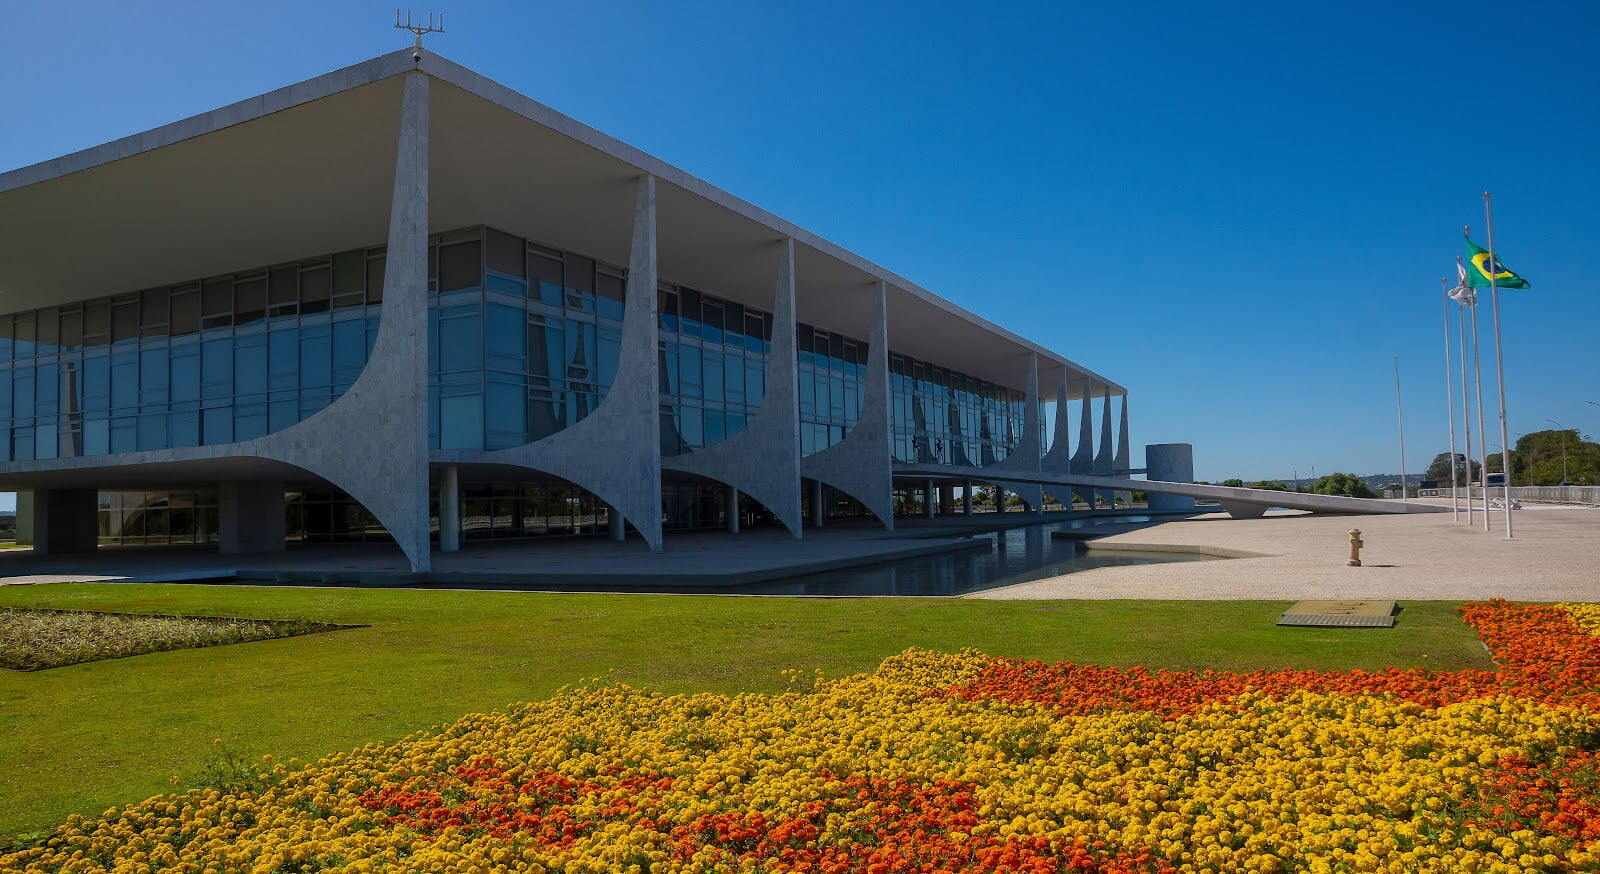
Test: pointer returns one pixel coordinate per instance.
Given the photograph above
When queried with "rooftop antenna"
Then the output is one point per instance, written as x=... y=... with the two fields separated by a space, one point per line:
x=419 y=29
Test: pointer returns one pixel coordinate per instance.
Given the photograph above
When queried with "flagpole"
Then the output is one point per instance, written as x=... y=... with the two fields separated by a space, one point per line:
x=1483 y=431
x=1499 y=358
x=1449 y=397
x=1400 y=417
x=1466 y=412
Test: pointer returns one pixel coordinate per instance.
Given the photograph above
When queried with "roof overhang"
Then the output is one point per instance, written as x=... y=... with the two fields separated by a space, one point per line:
x=307 y=169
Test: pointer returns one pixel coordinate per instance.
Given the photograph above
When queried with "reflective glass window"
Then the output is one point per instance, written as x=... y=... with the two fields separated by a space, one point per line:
x=283 y=358
x=216 y=368
x=250 y=374
x=461 y=422
x=316 y=288
x=316 y=356
x=506 y=336
x=461 y=341
x=124 y=381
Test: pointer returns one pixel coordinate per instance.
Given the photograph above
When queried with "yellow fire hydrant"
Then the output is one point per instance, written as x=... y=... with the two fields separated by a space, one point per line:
x=1355 y=548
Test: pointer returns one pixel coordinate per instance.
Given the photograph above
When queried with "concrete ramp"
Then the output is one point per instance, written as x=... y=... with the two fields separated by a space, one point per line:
x=1238 y=502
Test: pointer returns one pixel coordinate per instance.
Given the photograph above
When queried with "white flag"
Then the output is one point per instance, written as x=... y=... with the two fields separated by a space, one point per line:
x=1462 y=294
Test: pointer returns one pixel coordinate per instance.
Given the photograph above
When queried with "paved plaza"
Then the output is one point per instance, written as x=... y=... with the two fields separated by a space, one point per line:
x=1555 y=556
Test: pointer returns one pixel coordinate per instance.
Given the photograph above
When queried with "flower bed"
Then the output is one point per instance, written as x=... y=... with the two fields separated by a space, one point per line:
x=940 y=762
x=32 y=640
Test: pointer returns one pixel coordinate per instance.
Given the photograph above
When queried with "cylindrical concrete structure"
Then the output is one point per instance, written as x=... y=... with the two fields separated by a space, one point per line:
x=928 y=491
x=818 y=512
x=1172 y=463
x=966 y=500
x=618 y=525
x=733 y=510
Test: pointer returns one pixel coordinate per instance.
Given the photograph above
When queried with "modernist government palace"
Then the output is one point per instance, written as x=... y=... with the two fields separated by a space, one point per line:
x=400 y=301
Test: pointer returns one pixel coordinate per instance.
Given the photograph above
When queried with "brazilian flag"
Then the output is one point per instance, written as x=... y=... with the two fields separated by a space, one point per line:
x=1485 y=265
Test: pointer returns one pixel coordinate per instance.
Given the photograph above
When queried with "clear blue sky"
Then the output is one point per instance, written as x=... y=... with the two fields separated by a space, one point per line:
x=1239 y=211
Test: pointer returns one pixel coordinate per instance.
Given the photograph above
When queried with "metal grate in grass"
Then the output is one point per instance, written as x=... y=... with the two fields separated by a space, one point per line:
x=32 y=640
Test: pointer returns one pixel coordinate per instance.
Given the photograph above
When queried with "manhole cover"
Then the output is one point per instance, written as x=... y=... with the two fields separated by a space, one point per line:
x=1341 y=614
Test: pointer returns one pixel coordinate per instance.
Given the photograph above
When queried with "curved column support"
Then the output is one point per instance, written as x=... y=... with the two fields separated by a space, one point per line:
x=373 y=441
x=1059 y=458
x=862 y=464
x=1027 y=456
x=763 y=460
x=1083 y=457
x=615 y=451
x=1102 y=458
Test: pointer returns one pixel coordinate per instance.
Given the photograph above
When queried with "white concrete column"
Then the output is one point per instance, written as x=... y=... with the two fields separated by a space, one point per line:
x=817 y=512
x=449 y=509
x=24 y=517
x=250 y=517
x=861 y=465
x=618 y=526
x=966 y=500
x=927 y=499
x=947 y=499
x=999 y=499
x=733 y=510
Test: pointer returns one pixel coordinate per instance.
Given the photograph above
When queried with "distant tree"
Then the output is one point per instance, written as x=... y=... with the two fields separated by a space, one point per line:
x=983 y=495
x=1270 y=485
x=1536 y=459
x=1235 y=483
x=1347 y=484
x=1439 y=470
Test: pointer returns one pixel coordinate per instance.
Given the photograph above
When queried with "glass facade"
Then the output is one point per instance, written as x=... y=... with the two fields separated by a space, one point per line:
x=941 y=416
x=524 y=340
x=713 y=365
x=157 y=518
x=208 y=361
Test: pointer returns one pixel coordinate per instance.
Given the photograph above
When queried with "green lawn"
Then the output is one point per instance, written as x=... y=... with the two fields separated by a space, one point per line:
x=78 y=739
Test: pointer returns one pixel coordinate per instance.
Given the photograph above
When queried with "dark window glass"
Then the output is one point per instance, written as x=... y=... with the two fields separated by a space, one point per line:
x=124 y=322
x=544 y=273
x=216 y=298
x=610 y=291
x=49 y=336
x=97 y=323
x=6 y=323
x=732 y=323
x=689 y=308
x=316 y=286
x=153 y=308
x=711 y=318
x=504 y=257
x=349 y=272
x=375 y=267
x=667 y=309
x=25 y=334
x=460 y=266
x=733 y=380
x=249 y=299
x=185 y=313
x=283 y=287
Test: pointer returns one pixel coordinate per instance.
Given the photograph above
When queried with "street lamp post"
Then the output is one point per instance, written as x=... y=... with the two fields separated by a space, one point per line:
x=1564 y=477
